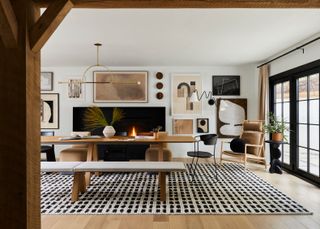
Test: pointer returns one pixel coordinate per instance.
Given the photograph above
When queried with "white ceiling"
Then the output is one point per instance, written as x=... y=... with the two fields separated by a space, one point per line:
x=177 y=37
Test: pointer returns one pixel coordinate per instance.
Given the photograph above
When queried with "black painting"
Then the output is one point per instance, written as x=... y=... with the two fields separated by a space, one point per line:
x=226 y=85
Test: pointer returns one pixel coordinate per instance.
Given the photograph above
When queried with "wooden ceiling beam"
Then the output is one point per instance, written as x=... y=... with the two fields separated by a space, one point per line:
x=49 y=21
x=8 y=25
x=190 y=3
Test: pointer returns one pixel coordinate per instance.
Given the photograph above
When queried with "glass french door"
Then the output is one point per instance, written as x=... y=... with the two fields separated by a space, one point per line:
x=295 y=99
x=282 y=112
x=307 y=100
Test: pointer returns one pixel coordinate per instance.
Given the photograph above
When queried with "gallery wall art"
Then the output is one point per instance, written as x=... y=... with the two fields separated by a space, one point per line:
x=182 y=86
x=182 y=126
x=121 y=86
x=230 y=115
x=49 y=111
x=202 y=125
x=46 y=81
x=226 y=85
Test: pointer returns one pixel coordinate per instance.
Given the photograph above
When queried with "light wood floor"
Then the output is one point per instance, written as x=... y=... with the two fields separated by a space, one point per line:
x=304 y=193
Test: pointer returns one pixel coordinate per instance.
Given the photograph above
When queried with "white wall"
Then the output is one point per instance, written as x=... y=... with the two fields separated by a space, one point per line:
x=297 y=58
x=249 y=90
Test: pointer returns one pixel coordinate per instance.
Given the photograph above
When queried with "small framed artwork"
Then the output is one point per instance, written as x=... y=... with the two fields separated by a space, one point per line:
x=120 y=86
x=49 y=111
x=182 y=126
x=46 y=81
x=226 y=85
x=202 y=125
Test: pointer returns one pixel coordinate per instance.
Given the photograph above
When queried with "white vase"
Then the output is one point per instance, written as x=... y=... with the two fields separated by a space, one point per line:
x=108 y=131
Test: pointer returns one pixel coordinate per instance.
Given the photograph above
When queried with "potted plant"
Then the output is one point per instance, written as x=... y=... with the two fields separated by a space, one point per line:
x=94 y=118
x=276 y=127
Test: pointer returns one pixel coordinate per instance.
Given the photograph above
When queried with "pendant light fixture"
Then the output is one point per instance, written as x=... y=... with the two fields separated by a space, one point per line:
x=75 y=85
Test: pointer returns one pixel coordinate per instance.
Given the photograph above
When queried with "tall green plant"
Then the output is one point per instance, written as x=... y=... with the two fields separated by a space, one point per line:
x=94 y=118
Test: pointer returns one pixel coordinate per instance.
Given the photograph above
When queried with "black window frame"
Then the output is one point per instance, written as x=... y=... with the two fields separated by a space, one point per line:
x=292 y=76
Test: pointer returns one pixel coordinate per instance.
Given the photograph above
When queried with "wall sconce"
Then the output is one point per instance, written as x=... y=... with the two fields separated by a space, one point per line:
x=208 y=95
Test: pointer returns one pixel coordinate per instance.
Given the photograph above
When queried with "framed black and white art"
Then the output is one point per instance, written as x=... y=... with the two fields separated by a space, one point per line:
x=49 y=111
x=202 y=125
x=226 y=85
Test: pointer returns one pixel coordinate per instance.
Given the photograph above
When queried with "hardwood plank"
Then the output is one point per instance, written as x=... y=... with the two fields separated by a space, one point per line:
x=8 y=25
x=48 y=23
x=190 y=3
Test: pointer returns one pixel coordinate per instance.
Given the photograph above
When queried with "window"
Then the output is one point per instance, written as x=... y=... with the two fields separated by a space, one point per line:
x=295 y=99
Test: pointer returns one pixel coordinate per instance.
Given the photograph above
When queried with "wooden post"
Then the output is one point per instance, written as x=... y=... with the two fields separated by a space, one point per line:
x=20 y=125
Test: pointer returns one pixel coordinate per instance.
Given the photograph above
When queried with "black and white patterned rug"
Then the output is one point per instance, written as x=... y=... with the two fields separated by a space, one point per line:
x=236 y=192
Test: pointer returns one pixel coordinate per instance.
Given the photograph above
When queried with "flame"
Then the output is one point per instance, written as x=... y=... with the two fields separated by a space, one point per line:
x=133 y=132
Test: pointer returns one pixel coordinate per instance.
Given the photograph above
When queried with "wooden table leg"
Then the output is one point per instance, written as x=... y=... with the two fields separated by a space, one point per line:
x=90 y=153
x=75 y=186
x=162 y=184
x=162 y=175
x=95 y=157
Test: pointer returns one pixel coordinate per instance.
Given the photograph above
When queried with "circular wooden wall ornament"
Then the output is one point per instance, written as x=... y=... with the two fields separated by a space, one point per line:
x=159 y=75
x=159 y=95
x=159 y=85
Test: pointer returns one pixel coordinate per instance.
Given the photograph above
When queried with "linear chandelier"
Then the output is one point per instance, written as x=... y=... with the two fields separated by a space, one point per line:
x=75 y=85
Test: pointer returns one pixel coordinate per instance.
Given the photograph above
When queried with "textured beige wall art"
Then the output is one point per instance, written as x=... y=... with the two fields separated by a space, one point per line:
x=182 y=86
x=123 y=87
x=182 y=126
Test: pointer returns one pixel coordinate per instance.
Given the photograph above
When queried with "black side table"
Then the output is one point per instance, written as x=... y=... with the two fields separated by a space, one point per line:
x=275 y=154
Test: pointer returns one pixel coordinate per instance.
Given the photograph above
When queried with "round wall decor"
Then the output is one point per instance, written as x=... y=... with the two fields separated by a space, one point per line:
x=159 y=95
x=159 y=85
x=159 y=75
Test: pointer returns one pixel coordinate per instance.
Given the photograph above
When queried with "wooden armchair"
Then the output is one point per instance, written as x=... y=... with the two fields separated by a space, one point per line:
x=253 y=135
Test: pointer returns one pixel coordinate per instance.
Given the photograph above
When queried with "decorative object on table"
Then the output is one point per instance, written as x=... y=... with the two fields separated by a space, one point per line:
x=184 y=198
x=159 y=95
x=276 y=127
x=230 y=115
x=226 y=85
x=159 y=85
x=275 y=154
x=182 y=87
x=129 y=87
x=159 y=75
x=156 y=131
x=46 y=81
x=49 y=111
x=202 y=125
x=94 y=118
x=182 y=126
x=252 y=135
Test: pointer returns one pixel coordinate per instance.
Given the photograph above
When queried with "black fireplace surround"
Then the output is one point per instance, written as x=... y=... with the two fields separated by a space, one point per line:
x=144 y=119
